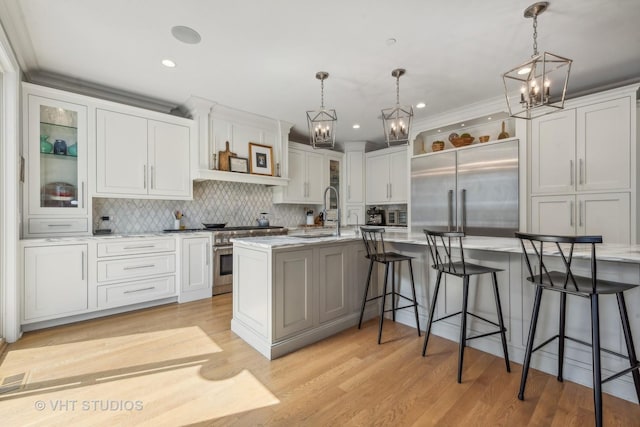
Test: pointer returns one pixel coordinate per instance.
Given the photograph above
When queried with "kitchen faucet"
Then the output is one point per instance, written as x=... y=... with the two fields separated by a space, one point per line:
x=337 y=207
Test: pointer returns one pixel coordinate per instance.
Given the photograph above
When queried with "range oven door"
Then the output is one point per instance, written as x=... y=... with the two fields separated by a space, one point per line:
x=222 y=269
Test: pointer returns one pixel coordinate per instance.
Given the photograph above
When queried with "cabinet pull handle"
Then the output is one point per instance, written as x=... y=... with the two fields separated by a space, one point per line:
x=571 y=172
x=139 y=290
x=139 y=247
x=144 y=168
x=207 y=255
x=581 y=172
x=390 y=191
x=572 y=213
x=450 y=209
x=82 y=278
x=463 y=202
x=58 y=225
x=580 y=213
x=82 y=194
x=136 y=267
x=349 y=191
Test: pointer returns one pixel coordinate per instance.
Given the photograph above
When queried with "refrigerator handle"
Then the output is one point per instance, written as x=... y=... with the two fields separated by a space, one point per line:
x=450 y=209
x=463 y=203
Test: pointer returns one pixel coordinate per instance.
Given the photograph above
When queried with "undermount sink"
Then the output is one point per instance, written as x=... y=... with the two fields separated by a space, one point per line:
x=314 y=236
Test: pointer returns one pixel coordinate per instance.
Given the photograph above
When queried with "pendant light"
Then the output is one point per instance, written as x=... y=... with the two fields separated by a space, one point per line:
x=322 y=123
x=540 y=81
x=397 y=120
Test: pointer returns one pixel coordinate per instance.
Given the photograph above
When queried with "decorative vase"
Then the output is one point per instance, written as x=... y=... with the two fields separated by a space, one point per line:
x=60 y=147
x=72 y=150
x=45 y=145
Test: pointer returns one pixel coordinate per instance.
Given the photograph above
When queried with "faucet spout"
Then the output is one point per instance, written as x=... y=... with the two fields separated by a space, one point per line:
x=335 y=190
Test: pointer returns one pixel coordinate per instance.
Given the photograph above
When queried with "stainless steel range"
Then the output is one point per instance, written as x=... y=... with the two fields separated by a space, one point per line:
x=223 y=252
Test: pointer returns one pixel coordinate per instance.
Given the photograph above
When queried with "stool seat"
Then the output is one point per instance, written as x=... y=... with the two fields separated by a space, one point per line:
x=566 y=283
x=376 y=253
x=439 y=244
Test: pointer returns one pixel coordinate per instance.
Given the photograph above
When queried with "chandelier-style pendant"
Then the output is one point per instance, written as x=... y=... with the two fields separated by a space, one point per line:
x=322 y=123
x=397 y=120
x=539 y=85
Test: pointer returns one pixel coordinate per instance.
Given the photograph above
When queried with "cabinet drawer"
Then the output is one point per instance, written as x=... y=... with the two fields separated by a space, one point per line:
x=119 y=269
x=135 y=292
x=58 y=226
x=135 y=246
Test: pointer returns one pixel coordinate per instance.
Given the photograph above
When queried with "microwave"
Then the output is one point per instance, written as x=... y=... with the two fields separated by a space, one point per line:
x=397 y=217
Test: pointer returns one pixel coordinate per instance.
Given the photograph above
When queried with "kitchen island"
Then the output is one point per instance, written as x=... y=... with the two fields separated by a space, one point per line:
x=290 y=291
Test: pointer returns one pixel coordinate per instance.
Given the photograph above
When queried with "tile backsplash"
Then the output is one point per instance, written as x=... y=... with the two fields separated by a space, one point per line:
x=232 y=203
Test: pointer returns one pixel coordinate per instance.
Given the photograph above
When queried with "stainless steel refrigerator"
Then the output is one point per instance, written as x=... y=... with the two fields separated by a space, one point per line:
x=473 y=189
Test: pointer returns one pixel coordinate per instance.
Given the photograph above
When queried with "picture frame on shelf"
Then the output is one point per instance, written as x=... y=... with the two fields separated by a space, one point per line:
x=239 y=164
x=260 y=159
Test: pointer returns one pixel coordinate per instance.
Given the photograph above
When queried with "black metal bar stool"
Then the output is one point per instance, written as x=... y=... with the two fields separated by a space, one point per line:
x=440 y=251
x=374 y=243
x=567 y=283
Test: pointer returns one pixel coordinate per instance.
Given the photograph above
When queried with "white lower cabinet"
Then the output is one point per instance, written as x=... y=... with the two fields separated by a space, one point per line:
x=55 y=281
x=196 y=271
x=606 y=214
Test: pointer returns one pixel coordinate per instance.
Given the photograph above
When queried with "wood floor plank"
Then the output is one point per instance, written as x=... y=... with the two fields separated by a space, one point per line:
x=187 y=366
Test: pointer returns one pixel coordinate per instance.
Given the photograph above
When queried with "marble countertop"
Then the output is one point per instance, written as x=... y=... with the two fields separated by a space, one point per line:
x=605 y=252
x=115 y=236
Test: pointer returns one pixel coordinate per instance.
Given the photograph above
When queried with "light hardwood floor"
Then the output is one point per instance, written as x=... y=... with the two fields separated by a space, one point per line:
x=181 y=365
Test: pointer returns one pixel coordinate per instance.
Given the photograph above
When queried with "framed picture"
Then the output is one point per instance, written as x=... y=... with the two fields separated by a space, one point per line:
x=239 y=164
x=260 y=159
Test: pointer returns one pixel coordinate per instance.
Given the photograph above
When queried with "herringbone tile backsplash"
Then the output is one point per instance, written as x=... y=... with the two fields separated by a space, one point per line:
x=232 y=203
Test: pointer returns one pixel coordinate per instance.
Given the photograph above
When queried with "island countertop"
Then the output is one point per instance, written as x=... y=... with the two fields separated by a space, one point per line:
x=605 y=251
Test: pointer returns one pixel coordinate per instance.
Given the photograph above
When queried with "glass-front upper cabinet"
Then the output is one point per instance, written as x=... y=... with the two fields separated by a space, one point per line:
x=333 y=169
x=56 y=144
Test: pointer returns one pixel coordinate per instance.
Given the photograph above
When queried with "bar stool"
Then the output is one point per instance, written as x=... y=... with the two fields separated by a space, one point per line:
x=440 y=252
x=567 y=283
x=374 y=243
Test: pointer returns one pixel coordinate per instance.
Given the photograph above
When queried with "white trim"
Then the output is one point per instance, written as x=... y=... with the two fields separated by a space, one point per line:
x=9 y=196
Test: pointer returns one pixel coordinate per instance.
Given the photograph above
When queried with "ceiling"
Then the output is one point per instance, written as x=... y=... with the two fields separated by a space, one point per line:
x=262 y=56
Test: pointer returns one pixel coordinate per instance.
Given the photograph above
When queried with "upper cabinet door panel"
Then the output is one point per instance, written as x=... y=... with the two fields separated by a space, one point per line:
x=169 y=155
x=553 y=142
x=398 y=177
x=121 y=164
x=355 y=177
x=604 y=145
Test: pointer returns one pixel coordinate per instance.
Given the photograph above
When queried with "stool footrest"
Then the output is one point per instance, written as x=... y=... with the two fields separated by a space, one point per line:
x=400 y=308
x=486 y=334
x=588 y=344
x=635 y=366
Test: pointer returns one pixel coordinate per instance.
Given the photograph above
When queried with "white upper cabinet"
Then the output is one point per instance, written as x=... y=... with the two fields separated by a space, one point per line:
x=582 y=149
x=306 y=172
x=140 y=157
x=387 y=176
x=354 y=177
x=604 y=145
x=56 y=200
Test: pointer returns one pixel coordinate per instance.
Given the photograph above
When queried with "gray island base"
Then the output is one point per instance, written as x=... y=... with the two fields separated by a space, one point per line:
x=289 y=292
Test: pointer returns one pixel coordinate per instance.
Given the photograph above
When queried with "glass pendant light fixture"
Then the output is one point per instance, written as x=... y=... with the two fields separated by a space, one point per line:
x=541 y=81
x=397 y=120
x=322 y=123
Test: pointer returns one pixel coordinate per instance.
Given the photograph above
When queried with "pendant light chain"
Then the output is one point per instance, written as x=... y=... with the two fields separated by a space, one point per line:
x=398 y=89
x=322 y=94
x=535 y=35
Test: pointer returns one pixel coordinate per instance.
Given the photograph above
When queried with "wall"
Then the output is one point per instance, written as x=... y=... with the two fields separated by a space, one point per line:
x=233 y=203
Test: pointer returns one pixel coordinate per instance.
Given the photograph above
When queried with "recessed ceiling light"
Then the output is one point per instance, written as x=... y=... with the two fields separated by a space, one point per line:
x=489 y=118
x=391 y=41
x=462 y=125
x=421 y=105
x=168 y=63
x=439 y=130
x=186 y=34
x=356 y=126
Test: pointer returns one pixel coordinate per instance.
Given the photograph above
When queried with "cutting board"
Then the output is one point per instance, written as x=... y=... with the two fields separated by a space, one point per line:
x=223 y=158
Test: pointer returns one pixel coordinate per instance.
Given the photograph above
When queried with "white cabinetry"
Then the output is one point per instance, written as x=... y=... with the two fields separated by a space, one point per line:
x=141 y=157
x=55 y=281
x=387 y=176
x=195 y=269
x=306 y=177
x=56 y=141
x=333 y=283
x=133 y=270
x=583 y=168
x=354 y=198
x=606 y=214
